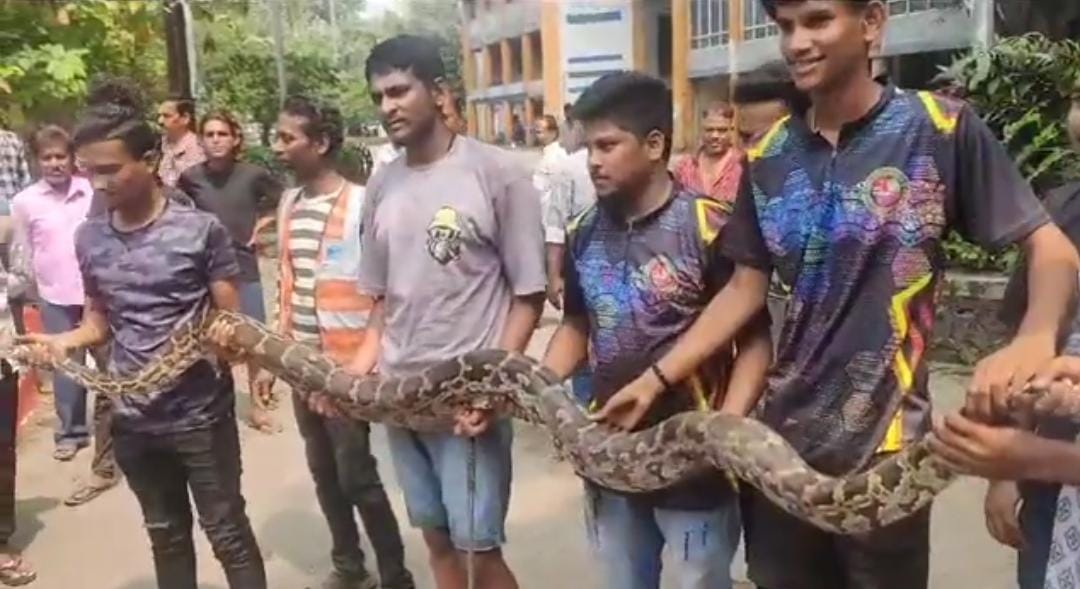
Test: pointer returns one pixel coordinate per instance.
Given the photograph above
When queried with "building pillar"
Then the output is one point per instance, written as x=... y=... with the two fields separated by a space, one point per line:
x=484 y=79
x=507 y=115
x=528 y=74
x=471 y=112
x=681 y=91
x=507 y=55
x=530 y=118
x=639 y=36
x=551 y=55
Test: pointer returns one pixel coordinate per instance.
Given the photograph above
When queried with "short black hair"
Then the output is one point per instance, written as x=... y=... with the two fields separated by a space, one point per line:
x=115 y=110
x=185 y=106
x=417 y=54
x=635 y=102
x=770 y=5
x=771 y=81
x=321 y=121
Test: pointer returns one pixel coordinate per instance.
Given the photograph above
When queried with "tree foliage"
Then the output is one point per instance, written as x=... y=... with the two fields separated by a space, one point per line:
x=1021 y=87
x=50 y=49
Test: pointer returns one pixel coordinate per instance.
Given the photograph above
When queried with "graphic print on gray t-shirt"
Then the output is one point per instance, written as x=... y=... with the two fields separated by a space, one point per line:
x=448 y=245
x=150 y=281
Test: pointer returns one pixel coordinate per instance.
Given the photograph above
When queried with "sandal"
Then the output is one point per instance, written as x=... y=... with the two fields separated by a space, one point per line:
x=88 y=492
x=14 y=572
x=65 y=453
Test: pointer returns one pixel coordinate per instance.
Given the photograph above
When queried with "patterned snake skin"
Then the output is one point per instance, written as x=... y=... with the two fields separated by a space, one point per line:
x=517 y=386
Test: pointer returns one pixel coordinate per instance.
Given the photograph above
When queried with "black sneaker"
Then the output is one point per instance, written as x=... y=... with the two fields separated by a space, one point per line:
x=340 y=580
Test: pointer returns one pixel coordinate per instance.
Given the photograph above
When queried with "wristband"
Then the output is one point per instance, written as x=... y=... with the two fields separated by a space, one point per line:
x=660 y=376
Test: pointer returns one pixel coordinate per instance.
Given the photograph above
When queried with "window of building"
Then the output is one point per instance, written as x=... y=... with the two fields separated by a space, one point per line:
x=897 y=7
x=709 y=23
x=756 y=22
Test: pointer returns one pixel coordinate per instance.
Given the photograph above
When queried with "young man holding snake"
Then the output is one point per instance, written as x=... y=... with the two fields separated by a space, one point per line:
x=318 y=304
x=453 y=254
x=149 y=264
x=639 y=268
x=849 y=200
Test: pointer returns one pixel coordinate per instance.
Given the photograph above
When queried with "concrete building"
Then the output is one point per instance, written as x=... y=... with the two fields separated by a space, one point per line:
x=529 y=57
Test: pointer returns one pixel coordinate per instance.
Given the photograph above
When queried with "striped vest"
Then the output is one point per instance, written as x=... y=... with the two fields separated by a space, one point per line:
x=342 y=312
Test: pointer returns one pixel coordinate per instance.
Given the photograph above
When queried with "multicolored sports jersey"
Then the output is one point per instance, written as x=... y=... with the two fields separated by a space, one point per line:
x=641 y=285
x=855 y=233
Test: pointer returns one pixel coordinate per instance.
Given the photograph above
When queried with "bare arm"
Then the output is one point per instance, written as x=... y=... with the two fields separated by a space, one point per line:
x=554 y=264
x=224 y=295
x=754 y=355
x=367 y=355
x=1052 y=280
x=521 y=321
x=94 y=329
x=568 y=348
x=1052 y=283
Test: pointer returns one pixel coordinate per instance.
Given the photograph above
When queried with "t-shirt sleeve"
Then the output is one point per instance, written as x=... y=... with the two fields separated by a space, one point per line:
x=221 y=261
x=374 y=257
x=82 y=256
x=741 y=241
x=573 y=297
x=521 y=235
x=992 y=203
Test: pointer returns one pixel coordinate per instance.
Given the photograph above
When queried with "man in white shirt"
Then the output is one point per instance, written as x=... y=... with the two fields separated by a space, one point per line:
x=547 y=135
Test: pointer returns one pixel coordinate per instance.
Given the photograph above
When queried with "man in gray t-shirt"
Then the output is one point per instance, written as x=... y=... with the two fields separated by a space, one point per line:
x=452 y=246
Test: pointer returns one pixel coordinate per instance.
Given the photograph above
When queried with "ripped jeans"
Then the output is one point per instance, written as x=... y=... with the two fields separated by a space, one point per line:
x=628 y=538
x=161 y=470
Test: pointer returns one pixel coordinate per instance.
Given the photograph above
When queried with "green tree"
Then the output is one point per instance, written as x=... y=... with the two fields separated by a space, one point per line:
x=1021 y=87
x=50 y=49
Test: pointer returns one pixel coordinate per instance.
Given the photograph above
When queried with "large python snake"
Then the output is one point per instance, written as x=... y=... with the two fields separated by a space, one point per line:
x=514 y=385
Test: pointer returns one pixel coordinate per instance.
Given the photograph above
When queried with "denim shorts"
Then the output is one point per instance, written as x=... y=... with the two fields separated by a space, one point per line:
x=251 y=300
x=432 y=469
x=629 y=536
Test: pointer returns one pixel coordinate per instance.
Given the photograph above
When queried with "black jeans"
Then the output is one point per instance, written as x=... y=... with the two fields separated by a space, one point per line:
x=9 y=418
x=160 y=469
x=346 y=477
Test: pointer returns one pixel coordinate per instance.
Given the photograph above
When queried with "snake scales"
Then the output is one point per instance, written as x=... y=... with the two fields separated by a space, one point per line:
x=517 y=386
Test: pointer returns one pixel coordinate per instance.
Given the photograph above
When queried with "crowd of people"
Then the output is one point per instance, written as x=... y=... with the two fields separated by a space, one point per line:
x=816 y=176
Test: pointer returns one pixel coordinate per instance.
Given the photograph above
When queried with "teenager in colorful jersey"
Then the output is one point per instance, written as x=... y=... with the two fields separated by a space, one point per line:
x=848 y=201
x=319 y=304
x=453 y=254
x=640 y=267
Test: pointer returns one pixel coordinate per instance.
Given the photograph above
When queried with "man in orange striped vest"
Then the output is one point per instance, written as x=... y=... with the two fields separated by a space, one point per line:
x=318 y=301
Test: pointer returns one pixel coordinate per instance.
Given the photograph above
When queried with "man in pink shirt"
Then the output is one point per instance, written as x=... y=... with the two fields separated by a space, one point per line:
x=714 y=170
x=45 y=215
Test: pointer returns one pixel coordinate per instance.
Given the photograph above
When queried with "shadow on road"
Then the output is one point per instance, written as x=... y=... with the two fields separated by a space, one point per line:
x=288 y=534
x=28 y=520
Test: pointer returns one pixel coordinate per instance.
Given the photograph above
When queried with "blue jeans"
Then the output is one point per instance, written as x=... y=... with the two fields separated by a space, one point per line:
x=70 y=397
x=581 y=386
x=628 y=538
x=251 y=300
x=432 y=471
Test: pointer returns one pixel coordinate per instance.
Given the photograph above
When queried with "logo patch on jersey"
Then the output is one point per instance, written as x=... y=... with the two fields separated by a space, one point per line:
x=884 y=188
x=444 y=236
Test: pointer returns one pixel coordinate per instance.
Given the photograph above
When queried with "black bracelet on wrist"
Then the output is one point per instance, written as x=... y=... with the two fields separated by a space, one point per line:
x=660 y=376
